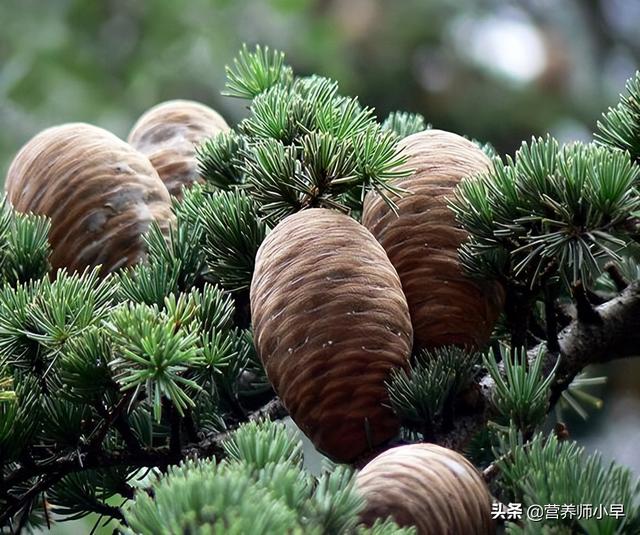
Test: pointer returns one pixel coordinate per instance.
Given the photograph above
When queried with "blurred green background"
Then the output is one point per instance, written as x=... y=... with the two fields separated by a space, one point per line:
x=499 y=71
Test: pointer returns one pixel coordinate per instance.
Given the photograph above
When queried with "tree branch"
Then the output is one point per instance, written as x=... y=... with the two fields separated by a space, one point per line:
x=615 y=335
x=53 y=470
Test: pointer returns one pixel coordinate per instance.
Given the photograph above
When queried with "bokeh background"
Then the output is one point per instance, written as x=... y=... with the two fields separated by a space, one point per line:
x=499 y=71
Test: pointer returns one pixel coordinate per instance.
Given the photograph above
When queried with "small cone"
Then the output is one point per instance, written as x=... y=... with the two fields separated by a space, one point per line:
x=432 y=488
x=168 y=135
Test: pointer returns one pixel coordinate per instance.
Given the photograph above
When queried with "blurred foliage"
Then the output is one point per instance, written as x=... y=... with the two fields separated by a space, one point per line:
x=498 y=71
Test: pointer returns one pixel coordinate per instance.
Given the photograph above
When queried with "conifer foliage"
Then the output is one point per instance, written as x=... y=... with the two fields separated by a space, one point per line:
x=138 y=397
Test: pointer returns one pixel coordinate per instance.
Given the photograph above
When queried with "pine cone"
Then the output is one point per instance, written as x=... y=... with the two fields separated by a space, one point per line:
x=169 y=133
x=447 y=307
x=100 y=193
x=330 y=322
x=427 y=486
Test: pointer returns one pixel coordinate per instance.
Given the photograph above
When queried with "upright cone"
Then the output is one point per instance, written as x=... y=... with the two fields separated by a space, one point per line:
x=432 y=488
x=447 y=307
x=330 y=322
x=100 y=193
x=169 y=133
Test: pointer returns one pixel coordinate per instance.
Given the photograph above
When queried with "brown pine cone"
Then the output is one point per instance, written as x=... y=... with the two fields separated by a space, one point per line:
x=100 y=193
x=330 y=322
x=169 y=133
x=427 y=486
x=447 y=307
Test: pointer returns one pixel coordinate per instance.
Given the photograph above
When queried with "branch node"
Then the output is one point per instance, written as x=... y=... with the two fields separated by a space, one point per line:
x=616 y=276
x=490 y=472
x=561 y=431
x=586 y=312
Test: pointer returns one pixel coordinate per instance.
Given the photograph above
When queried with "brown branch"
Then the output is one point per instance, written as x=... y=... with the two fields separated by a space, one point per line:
x=517 y=311
x=616 y=276
x=118 y=419
x=615 y=335
x=27 y=499
x=108 y=418
x=491 y=472
x=51 y=471
x=84 y=460
x=585 y=309
x=121 y=424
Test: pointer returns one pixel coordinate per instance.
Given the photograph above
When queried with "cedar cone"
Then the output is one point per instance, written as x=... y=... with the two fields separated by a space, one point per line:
x=100 y=194
x=168 y=134
x=447 y=307
x=330 y=322
x=427 y=486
